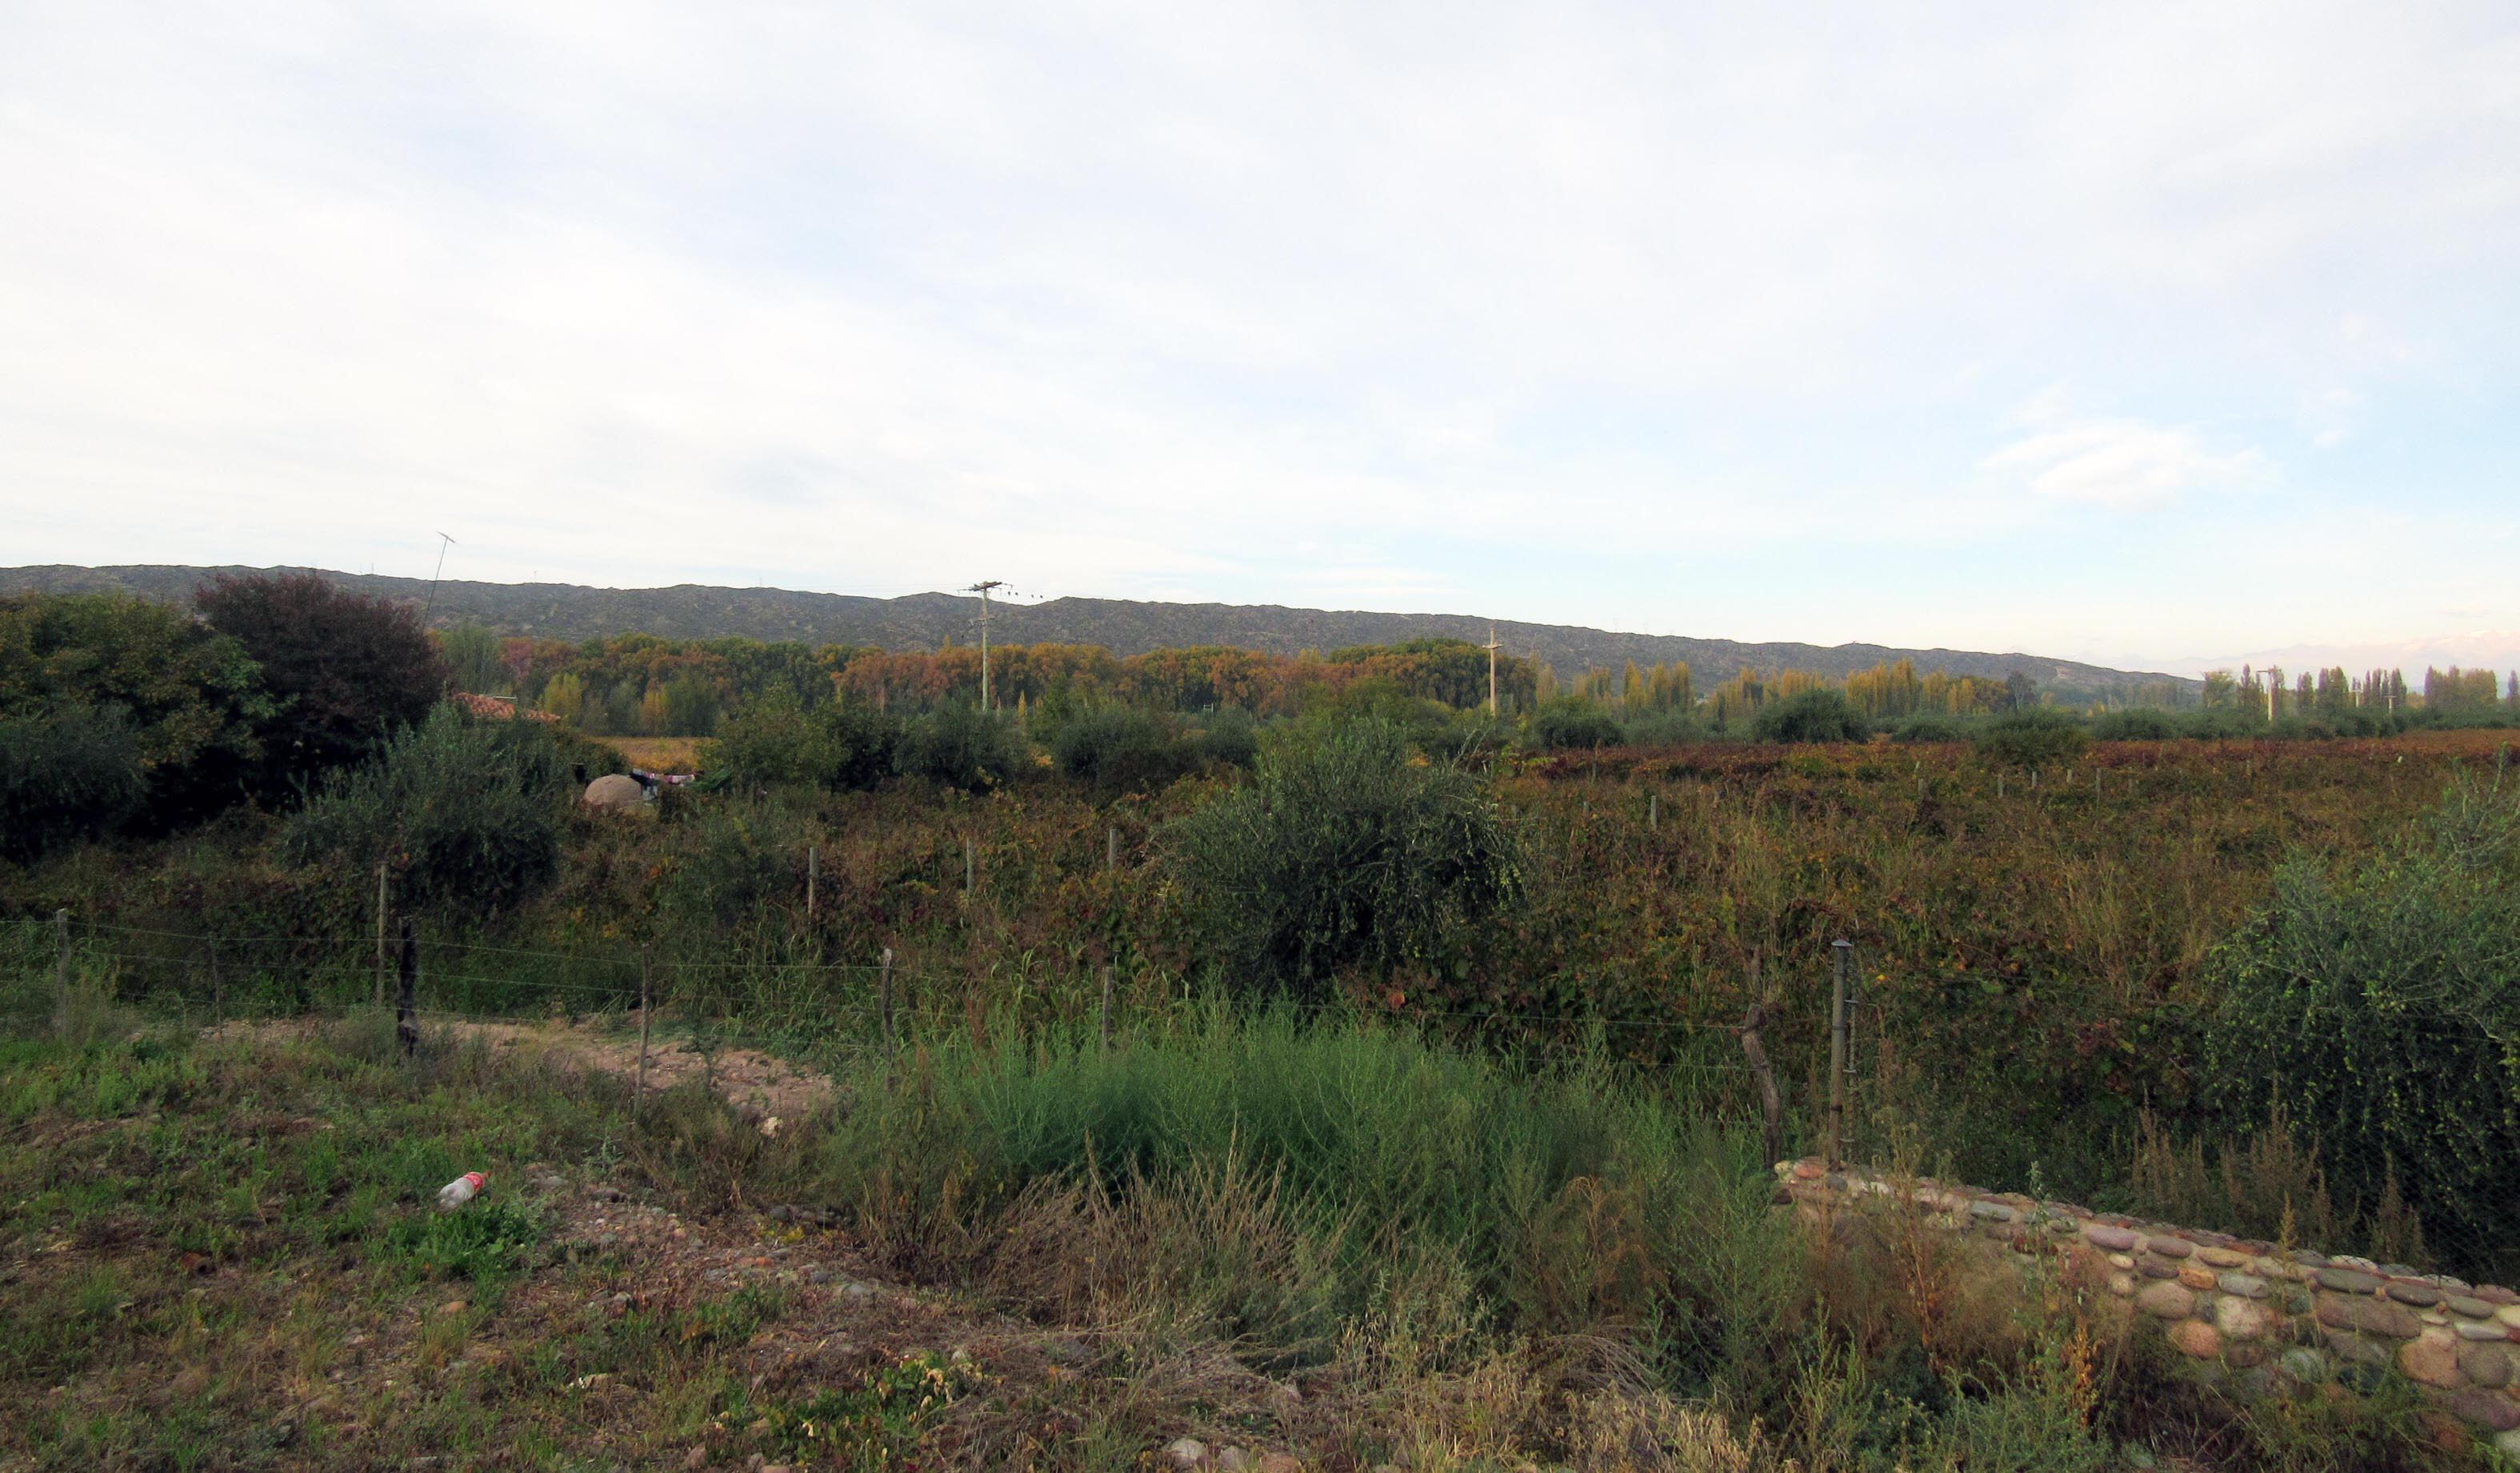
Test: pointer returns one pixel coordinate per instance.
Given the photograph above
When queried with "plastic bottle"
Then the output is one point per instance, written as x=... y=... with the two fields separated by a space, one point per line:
x=459 y=1191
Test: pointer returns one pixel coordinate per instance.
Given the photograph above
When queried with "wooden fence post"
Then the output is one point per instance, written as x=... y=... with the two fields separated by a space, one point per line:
x=1838 y=951
x=1772 y=1105
x=639 y=1094
x=218 y=990
x=381 y=933
x=1653 y=811
x=407 y=993
x=967 y=866
x=1112 y=847
x=1107 y=1004
x=813 y=873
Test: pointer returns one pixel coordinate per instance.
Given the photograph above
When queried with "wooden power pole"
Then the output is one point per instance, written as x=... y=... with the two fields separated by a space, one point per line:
x=982 y=589
x=1492 y=681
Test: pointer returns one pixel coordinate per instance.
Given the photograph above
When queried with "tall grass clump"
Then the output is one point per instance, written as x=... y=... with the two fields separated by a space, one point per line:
x=1334 y=1165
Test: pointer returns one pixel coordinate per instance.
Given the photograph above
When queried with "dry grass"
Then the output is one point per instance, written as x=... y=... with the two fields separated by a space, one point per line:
x=657 y=754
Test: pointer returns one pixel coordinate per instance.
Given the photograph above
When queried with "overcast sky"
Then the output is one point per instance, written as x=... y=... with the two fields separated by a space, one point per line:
x=2129 y=331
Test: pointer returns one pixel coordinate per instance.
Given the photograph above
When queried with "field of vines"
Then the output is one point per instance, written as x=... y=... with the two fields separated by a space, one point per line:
x=2028 y=944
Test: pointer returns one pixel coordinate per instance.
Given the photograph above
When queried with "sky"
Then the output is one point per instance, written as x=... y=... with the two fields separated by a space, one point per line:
x=2155 y=335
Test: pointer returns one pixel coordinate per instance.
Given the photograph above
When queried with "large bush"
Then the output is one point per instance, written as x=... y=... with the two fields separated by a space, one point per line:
x=1811 y=716
x=65 y=774
x=1573 y=725
x=345 y=670
x=2380 y=1008
x=1346 y=850
x=2032 y=736
x=960 y=745
x=775 y=741
x=2138 y=723
x=466 y=813
x=191 y=697
x=1122 y=748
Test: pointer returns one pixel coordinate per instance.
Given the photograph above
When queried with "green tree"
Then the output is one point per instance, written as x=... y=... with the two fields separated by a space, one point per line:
x=189 y=697
x=1345 y=851
x=1811 y=716
x=960 y=745
x=65 y=774
x=840 y=746
x=471 y=655
x=465 y=811
x=2032 y=736
x=344 y=669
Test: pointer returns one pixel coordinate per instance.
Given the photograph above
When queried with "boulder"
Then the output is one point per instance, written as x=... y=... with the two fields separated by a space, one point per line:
x=615 y=792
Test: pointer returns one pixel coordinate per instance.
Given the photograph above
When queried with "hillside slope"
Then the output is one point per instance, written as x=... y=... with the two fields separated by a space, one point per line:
x=925 y=621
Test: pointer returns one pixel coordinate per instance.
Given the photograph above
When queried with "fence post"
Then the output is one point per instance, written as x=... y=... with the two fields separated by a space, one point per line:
x=1106 y=1006
x=218 y=990
x=884 y=1000
x=62 y=970
x=813 y=873
x=407 y=993
x=1838 y=951
x=381 y=933
x=1653 y=811
x=1112 y=847
x=1772 y=1105
x=966 y=864
x=639 y=1095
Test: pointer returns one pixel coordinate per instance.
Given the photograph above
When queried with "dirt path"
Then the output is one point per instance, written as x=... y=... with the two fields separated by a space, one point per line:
x=766 y=1090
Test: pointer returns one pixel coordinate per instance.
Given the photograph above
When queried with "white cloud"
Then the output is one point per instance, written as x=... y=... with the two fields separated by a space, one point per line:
x=2123 y=464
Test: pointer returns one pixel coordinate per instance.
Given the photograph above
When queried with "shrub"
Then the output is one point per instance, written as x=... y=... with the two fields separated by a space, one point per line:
x=1661 y=729
x=191 y=697
x=1930 y=728
x=840 y=746
x=1570 y=724
x=1122 y=748
x=960 y=745
x=66 y=774
x=344 y=669
x=1230 y=738
x=1345 y=850
x=2380 y=1009
x=1812 y=716
x=2033 y=736
x=467 y=813
x=2138 y=723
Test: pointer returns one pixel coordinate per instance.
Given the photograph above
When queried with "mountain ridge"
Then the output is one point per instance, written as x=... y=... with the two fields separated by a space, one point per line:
x=1124 y=626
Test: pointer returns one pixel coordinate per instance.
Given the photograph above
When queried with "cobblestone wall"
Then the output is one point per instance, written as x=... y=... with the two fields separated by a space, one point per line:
x=2265 y=1319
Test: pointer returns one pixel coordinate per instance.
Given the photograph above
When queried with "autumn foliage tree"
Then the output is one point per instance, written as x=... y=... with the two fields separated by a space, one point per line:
x=344 y=669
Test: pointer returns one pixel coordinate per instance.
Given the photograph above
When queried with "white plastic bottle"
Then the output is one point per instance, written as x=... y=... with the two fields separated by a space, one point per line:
x=459 y=1191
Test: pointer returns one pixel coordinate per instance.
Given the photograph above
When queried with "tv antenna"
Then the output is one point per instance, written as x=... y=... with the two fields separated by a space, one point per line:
x=443 y=543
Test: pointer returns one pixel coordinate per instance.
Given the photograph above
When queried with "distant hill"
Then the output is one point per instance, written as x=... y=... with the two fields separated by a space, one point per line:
x=926 y=621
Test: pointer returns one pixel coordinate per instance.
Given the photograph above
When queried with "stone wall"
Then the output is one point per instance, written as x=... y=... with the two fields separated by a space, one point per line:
x=2261 y=1318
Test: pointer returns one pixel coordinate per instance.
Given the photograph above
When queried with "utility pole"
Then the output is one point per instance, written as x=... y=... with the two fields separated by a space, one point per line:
x=982 y=589
x=1491 y=683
